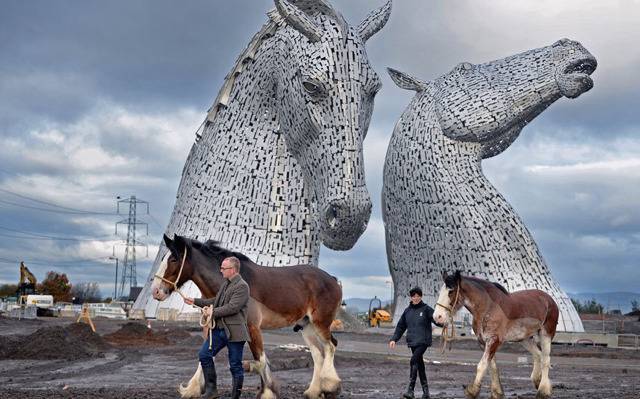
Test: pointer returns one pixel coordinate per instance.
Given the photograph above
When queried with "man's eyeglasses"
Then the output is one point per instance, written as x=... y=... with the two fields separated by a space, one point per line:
x=226 y=268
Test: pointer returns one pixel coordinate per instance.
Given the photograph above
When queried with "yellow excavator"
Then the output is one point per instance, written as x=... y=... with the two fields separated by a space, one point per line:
x=27 y=284
x=378 y=316
x=27 y=294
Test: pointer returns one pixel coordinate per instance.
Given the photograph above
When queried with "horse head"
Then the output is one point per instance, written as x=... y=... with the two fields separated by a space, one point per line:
x=490 y=103
x=174 y=270
x=450 y=298
x=325 y=89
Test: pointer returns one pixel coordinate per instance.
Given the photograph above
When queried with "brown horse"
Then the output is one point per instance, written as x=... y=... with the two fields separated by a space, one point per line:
x=301 y=295
x=529 y=317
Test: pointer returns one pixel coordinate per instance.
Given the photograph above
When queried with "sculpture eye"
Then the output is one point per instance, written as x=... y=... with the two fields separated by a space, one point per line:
x=313 y=88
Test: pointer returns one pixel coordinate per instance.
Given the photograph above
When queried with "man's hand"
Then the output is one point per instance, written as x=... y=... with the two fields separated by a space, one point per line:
x=188 y=301
x=208 y=310
x=392 y=344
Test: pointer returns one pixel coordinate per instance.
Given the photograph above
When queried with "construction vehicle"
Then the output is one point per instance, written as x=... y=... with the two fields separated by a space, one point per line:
x=28 y=296
x=378 y=316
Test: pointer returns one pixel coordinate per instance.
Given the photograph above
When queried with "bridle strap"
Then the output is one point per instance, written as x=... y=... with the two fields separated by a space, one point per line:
x=175 y=283
x=448 y=337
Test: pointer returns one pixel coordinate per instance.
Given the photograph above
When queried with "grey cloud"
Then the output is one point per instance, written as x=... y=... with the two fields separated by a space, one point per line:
x=61 y=62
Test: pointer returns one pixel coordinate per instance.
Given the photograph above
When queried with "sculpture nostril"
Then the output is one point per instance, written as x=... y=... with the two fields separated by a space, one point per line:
x=331 y=215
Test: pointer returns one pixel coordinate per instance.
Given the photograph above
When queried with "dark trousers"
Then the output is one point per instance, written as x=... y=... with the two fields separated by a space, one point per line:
x=220 y=340
x=417 y=364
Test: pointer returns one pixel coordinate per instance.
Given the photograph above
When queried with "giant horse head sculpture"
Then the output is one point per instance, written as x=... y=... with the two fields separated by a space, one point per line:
x=490 y=103
x=325 y=88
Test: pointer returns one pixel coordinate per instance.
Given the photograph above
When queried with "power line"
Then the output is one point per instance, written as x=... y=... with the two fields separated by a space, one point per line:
x=36 y=236
x=56 y=210
x=70 y=263
x=52 y=204
x=54 y=238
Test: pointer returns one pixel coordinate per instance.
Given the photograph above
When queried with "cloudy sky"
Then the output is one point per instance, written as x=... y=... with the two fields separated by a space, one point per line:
x=102 y=99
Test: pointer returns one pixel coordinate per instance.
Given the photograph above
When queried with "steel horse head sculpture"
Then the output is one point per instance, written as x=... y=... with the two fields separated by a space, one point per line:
x=277 y=166
x=440 y=211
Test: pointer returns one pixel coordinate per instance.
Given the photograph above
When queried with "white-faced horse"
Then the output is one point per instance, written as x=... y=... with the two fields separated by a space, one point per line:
x=528 y=316
x=301 y=295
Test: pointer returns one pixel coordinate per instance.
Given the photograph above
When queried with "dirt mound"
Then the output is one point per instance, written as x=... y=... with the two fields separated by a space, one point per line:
x=350 y=322
x=135 y=334
x=72 y=342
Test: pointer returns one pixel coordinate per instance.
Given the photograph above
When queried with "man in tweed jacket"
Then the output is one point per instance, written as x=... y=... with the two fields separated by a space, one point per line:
x=230 y=314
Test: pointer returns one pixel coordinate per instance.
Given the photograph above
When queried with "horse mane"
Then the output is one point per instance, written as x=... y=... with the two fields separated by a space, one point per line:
x=212 y=248
x=488 y=285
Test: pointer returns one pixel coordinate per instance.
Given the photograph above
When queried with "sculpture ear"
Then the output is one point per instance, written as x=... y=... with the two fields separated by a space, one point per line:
x=375 y=21
x=406 y=81
x=298 y=20
x=471 y=106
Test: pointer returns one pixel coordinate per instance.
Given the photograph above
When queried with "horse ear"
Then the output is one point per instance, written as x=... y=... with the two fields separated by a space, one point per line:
x=406 y=81
x=170 y=244
x=299 y=20
x=167 y=241
x=375 y=21
x=458 y=276
x=444 y=275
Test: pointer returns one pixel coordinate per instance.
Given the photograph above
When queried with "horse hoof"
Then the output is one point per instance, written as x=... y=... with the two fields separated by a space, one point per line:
x=312 y=394
x=542 y=395
x=266 y=395
x=497 y=395
x=330 y=387
x=471 y=392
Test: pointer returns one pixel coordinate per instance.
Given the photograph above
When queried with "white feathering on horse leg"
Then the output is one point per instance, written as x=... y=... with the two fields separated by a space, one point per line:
x=536 y=373
x=544 y=390
x=311 y=339
x=329 y=380
x=496 y=386
x=265 y=375
x=195 y=387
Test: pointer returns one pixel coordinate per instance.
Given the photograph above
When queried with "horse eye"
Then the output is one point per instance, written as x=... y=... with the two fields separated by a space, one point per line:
x=311 y=87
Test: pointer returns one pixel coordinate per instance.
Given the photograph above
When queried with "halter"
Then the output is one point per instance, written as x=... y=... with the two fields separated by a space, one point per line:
x=175 y=283
x=447 y=337
x=206 y=321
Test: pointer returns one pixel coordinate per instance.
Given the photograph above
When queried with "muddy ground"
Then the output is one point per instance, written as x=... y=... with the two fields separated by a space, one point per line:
x=55 y=358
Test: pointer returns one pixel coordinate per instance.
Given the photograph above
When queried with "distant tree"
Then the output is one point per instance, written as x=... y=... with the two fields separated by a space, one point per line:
x=634 y=306
x=577 y=305
x=8 y=290
x=589 y=307
x=86 y=292
x=56 y=284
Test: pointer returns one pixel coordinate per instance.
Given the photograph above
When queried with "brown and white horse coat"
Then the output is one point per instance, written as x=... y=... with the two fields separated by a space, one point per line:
x=529 y=317
x=300 y=295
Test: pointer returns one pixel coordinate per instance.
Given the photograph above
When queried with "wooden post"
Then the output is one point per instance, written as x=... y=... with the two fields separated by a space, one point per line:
x=84 y=314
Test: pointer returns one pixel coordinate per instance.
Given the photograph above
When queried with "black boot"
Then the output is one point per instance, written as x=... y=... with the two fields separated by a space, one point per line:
x=412 y=383
x=236 y=391
x=210 y=382
x=424 y=383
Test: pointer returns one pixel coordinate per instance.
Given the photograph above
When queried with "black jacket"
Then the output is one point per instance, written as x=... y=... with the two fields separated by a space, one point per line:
x=416 y=320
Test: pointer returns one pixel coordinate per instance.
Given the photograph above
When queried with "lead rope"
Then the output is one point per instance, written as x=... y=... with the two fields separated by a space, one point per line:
x=449 y=329
x=208 y=322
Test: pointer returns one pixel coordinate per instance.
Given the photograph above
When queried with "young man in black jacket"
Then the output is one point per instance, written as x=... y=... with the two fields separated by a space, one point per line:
x=416 y=320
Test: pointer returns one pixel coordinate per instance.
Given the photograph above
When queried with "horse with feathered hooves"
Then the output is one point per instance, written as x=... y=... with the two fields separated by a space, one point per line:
x=529 y=317
x=302 y=295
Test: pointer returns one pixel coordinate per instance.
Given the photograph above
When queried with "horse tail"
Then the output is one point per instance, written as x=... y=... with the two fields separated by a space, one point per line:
x=195 y=386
